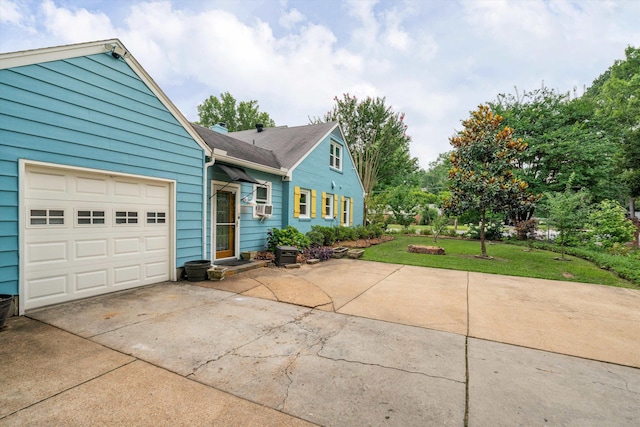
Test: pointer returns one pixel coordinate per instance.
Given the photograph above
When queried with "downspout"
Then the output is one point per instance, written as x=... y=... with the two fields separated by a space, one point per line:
x=205 y=212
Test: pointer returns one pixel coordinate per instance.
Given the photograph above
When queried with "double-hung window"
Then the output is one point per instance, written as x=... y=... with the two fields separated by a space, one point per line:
x=262 y=196
x=346 y=211
x=328 y=206
x=305 y=203
x=335 y=156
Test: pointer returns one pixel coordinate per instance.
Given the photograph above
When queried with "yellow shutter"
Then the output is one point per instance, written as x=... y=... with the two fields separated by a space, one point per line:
x=324 y=204
x=313 y=203
x=341 y=210
x=335 y=205
x=296 y=202
x=350 y=210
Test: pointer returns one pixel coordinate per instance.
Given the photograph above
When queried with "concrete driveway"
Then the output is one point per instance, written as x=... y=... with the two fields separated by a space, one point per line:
x=346 y=342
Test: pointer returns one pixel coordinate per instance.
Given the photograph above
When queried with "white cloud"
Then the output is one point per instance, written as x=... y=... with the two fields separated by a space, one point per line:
x=291 y=18
x=10 y=13
x=73 y=26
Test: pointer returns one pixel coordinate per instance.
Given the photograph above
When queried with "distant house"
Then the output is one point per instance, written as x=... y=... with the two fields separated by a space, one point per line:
x=105 y=185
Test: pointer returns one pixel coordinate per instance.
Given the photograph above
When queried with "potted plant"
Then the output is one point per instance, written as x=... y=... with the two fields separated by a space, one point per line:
x=5 y=305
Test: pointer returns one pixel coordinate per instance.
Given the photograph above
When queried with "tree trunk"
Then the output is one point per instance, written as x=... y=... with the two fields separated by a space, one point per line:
x=482 y=245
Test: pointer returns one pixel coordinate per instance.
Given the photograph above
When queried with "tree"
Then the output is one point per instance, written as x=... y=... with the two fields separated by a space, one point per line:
x=245 y=115
x=616 y=94
x=567 y=212
x=564 y=140
x=484 y=158
x=405 y=204
x=377 y=140
x=436 y=178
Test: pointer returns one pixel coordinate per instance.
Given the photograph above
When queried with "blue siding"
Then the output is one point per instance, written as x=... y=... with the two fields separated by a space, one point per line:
x=253 y=232
x=92 y=112
x=314 y=173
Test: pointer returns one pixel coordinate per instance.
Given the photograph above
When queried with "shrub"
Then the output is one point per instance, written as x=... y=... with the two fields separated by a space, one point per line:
x=288 y=236
x=322 y=253
x=609 y=225
x=315 y=236
x=493 y=231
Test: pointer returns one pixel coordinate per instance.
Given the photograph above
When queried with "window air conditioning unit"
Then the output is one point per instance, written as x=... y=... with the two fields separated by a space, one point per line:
x=264 y=210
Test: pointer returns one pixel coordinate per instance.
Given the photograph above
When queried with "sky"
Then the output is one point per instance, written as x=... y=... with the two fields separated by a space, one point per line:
x=433 y=60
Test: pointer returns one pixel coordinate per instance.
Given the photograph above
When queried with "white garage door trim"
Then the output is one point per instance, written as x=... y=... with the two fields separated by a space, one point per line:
x=111 y=242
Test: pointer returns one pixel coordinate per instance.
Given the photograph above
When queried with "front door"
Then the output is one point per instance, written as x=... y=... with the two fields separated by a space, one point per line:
x=225 y=224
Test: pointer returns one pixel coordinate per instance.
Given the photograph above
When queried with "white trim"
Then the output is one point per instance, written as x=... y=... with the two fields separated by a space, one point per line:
x=335 y=145
x=307 y=204
x=236 y=188
x=23 y=220
x=269 y=186
x=302 y=159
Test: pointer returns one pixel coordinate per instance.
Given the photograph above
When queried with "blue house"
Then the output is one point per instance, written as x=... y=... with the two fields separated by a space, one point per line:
x=105 y=185
x=322 y=186
x=276 y=177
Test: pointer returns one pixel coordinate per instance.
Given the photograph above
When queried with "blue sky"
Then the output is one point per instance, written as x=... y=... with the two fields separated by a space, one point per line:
x=434 y=60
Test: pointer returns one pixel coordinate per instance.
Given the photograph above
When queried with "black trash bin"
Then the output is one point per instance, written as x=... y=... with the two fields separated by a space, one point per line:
x=286 y=255
x=197 y=270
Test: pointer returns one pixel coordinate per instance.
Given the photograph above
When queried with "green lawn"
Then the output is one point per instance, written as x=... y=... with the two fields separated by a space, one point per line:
x=508 y=259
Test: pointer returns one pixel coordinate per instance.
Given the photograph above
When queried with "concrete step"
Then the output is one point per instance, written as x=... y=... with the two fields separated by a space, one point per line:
x=237 y=269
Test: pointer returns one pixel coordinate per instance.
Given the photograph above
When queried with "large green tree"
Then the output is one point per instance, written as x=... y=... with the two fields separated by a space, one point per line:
x=482 y=175
x=616 y=94
x=235 y=115
x=564 y=141
x=377 y=139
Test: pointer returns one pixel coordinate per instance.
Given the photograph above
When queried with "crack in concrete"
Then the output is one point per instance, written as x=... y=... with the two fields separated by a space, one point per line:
x=620 y=377
x=233 y=351
x=407 y=371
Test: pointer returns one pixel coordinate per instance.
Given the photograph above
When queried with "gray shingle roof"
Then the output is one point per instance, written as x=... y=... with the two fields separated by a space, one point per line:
x=289 y=144
x=237 y=148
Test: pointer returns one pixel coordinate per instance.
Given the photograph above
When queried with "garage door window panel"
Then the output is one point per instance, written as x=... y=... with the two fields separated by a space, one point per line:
x=90 y=217
x=156 y=217
x=46 y=217
x=126 y=217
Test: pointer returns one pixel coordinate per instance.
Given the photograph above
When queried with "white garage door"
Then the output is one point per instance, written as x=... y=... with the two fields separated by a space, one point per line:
x=87 y=234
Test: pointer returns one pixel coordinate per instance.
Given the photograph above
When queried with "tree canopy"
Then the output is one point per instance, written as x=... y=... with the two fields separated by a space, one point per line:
x=616 y=95
x=565 y=141
x=235 y=116
x=482 y=175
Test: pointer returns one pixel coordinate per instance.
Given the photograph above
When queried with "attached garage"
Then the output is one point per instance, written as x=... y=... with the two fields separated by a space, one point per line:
x=101 y=176
x=87 y=233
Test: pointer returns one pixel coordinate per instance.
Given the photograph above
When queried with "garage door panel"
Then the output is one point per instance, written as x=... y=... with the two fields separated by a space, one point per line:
x=91 y=280
x=127 y=274
x=126 y=246
x=47 y=252
x=45 y=288
x=89 y=252
x=91 y=186
x=91 y=249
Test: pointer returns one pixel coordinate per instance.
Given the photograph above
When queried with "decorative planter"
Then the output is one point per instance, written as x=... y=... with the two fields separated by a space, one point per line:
x=217 y=273
x=5 y=306
x=249 y=255
x=197 y=270
x=339 y=252
x=355 y=253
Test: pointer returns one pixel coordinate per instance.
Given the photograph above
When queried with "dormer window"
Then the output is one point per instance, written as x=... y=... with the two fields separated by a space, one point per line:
x=335 y=156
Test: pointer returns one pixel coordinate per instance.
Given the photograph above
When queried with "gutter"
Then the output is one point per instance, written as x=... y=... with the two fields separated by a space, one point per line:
x=206 y=166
